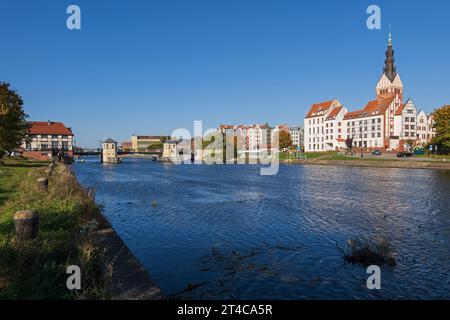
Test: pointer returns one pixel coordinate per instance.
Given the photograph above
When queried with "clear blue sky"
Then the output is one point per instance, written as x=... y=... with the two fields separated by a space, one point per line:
x=148 y=67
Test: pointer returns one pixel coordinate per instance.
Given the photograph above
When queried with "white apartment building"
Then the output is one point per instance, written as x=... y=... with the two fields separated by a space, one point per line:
x=422 y=127
x=315 y=126
x=405 y=121
x=296 y=133
x=430 y=126
x=365 y=129
x=255 y=137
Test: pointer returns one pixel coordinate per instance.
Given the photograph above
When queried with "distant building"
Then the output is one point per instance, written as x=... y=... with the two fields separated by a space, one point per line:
x=422 y=127
x=315 y=123
x=254 y=138
x=47 y=139
x=142 y=143
x=109 y=151
x=431 y=130
x=180 y=150
x=297 y=136
x=170 y=149
x=126 y=146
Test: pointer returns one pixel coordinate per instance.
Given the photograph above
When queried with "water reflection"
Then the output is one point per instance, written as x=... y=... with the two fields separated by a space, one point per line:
x=227 y=232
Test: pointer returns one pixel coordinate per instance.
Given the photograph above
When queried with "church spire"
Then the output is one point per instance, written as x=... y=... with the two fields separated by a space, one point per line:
x=389 y=68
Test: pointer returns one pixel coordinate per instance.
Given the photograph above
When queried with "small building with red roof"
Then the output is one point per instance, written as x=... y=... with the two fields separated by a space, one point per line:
x=47 y=139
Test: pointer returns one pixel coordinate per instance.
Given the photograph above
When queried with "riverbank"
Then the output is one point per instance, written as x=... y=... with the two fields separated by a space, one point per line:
x=72 y=231
x=380 y=163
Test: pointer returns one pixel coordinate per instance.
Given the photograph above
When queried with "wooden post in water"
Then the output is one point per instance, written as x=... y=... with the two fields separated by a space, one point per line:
x=27 y=224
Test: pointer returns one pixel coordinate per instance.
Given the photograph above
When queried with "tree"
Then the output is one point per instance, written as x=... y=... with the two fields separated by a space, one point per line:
x=441 y=124
x=349 y=143
x=155 y=145
x=285 y=140
x=13 y=125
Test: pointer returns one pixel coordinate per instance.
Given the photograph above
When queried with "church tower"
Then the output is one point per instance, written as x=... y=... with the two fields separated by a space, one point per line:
x=390 y=82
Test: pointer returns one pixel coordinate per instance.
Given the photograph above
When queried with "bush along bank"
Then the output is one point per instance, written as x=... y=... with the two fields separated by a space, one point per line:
x=36 y=269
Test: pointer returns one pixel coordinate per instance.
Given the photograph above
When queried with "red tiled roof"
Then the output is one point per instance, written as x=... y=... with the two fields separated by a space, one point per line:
x=318 y=107
x=334 y=113
x=399 y=111
x=50 y=128
x=353 y=114
x=148 y=137
x=126 y=144
x=372 y=108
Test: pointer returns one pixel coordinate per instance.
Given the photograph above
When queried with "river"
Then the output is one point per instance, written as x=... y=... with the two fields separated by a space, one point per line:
x=227 y=232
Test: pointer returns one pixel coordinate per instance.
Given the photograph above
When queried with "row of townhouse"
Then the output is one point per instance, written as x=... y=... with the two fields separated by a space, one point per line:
x=384 y=123
x=257 y=137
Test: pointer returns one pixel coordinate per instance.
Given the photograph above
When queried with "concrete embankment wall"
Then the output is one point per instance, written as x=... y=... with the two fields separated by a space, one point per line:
x=437 y=165
x=129 y=279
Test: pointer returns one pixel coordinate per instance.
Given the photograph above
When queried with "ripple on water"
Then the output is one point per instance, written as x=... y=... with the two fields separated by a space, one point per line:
x=241 y=235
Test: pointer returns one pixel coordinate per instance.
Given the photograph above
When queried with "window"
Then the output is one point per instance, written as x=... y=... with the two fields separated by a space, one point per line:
x=379 y=120
x=378 y=134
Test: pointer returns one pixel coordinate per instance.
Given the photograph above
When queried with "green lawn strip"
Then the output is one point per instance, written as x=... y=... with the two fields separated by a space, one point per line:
x=37 y=269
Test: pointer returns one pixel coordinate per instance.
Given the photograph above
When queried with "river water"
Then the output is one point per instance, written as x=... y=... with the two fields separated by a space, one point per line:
x=226 y=232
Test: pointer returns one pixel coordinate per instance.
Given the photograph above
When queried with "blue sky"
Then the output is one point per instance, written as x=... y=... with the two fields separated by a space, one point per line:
x=149 y=67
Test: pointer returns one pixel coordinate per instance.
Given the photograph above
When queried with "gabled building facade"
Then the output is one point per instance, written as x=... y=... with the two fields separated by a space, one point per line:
x=384 y=123
x=47 y=139
x=315 y=125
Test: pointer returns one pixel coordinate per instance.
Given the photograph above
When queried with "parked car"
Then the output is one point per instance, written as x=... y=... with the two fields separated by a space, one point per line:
x=402 y=154
x=376 y=152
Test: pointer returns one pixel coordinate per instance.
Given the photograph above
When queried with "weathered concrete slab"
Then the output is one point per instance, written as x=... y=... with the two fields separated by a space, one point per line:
x=130 y=280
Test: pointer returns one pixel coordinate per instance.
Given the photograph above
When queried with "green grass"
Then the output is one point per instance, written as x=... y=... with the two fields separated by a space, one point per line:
x=314 y=155
x=308 y=155
x=37 y=269
x=446 y=157
x=339 y=157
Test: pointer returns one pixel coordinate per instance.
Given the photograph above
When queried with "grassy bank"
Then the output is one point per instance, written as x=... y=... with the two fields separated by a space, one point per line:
x=37 y=269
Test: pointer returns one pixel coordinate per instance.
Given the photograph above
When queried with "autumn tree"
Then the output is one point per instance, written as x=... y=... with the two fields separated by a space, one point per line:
x=285 y=140
x=441 y=124
x=13 y=124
